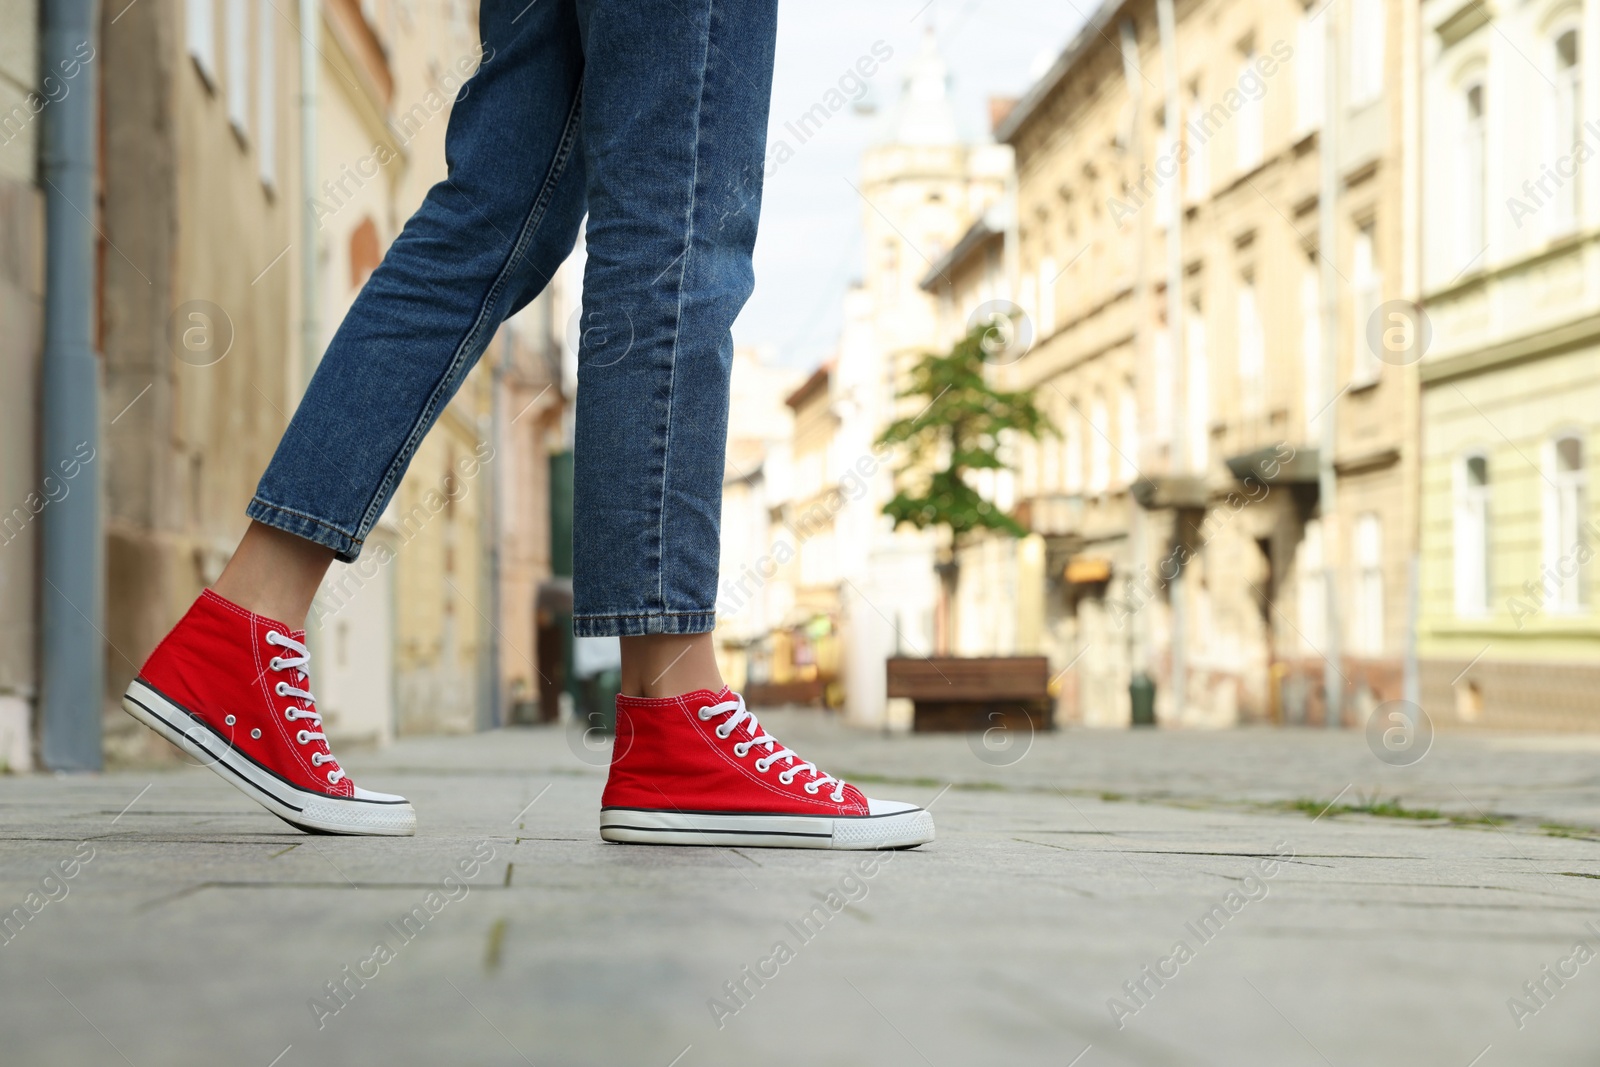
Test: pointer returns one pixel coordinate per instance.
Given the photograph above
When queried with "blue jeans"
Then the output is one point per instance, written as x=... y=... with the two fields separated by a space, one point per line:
x=651 y=116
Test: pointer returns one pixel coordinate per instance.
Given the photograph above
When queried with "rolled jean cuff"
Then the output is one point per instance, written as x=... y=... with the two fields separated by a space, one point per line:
x=345 y=547
x=659 y=622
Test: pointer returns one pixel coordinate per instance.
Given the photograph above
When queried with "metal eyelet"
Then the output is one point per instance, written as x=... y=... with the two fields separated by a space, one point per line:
x=273 y=637
x=331 y=779
x=723 y=733
x=705 y=714
x=787 y=777
x=255 y=734
x=763 y=765
x=302 y=736
x=810 y=787
x=280 y=687
x=276 y=663
x=742 y=749
x=230 y=720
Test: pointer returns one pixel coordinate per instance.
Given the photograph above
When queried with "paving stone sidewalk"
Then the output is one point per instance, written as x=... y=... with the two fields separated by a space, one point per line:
x=1094 y=899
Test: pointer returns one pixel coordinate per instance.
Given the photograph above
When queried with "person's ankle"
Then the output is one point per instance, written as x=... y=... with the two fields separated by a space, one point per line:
x=267 y=602
x=274 y=574
x=659 y=691
x=669 y=665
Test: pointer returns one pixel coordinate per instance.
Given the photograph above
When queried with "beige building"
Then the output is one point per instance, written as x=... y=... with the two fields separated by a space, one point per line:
x=1510 y=196
x=1180 y=504
x=21 y=342
x=199 y=303
x=755 y=597
x=202 y=322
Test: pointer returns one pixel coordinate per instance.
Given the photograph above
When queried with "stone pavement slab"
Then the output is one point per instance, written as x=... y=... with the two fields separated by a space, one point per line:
x=1043 y=927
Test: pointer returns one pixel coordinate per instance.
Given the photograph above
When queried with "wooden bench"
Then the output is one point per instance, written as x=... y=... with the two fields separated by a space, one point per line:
x=964 y=693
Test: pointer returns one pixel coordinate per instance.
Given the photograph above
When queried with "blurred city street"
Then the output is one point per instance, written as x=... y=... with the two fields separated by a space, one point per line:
x=1337 y=910
x=1158 y=441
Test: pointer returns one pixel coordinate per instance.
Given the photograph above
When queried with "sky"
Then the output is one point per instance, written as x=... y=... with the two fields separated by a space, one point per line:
x=809 y=248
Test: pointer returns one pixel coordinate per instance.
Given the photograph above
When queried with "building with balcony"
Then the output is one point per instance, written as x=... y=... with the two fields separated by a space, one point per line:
x=1196 y=314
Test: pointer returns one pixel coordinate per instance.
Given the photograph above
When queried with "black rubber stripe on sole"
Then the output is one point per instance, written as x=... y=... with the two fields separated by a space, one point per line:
x=217 y=760
x=245 y=755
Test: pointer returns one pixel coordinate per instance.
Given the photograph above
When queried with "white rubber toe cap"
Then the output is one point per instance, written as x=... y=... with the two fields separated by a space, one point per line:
x=376 y=797
x=888 y=807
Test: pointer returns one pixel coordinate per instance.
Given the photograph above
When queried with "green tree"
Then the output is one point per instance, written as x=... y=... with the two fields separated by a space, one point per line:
x=958 y=428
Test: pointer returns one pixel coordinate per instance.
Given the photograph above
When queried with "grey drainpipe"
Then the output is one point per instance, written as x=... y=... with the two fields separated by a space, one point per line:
x=72 y=564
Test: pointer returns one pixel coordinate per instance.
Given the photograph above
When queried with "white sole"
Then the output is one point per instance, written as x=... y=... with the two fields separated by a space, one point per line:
x=638 y=826
x=312 y=812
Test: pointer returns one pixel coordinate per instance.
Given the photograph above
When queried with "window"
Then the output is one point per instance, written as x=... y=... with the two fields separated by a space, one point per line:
x=1566 y=132
x=1310 y=38
x=1047 y=297
x=1164 y=382
x=1198 y=414
x=1472 y=536
x=200 y=32
x=889 y=265
x=1073 y=459
x=1050 y=455
x=1166 y=170
x=365 y=255
x=1565 y=544
x=236 y=29
x=1366 y=616
x=1247 y=127
x=1311 y=344
x=1474 y=175
x=1197 y=172
x=1128 y=432
x=1366 y=50
x=266 y=93
x=1252 y=349
x=1311 y=580
x=1099 y=446
x=1367 y=293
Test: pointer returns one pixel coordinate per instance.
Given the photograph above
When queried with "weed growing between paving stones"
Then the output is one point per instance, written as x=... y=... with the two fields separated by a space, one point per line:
x=339 y=992
x=1153 y=977
x=1391 y=809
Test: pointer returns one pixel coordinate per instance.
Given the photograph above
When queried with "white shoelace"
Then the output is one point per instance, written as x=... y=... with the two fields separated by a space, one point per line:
x=297 y=663
x=737 y=713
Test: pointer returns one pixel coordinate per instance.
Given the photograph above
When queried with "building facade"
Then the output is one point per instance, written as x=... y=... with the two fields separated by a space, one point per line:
x=756 y=599
x=246 y=194
x=1510 y=369
x=1194 y=301
x=199 y=304
x=23 y=97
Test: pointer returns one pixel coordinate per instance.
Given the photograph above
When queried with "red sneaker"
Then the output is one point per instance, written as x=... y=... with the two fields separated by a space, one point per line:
x=698 y=770
x=230 y=688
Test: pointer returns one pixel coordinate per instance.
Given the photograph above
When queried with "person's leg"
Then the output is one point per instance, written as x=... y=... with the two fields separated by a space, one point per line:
x=485 y=242
x=675 y=117
x=230 y=684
